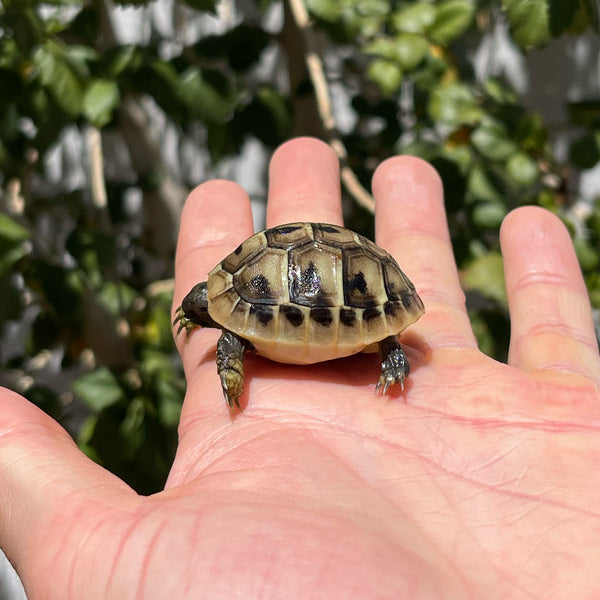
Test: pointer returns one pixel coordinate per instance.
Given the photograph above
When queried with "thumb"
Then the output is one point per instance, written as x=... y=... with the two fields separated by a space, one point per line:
x=45 y=480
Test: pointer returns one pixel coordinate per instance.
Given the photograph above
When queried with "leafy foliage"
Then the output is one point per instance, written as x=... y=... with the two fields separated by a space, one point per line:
x=79 y=256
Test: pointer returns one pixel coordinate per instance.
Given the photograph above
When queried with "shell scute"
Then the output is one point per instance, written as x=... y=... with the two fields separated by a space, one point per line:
x=243 y=253
x=315 y=275
x=263 y=280
x=289 y=236
x=363 y=282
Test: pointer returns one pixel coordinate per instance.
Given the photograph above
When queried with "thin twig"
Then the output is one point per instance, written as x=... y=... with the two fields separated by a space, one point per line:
x=96 y=167
x=316 y=72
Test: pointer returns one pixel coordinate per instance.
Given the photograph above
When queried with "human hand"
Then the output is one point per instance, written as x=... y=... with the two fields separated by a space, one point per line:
x=478 y=481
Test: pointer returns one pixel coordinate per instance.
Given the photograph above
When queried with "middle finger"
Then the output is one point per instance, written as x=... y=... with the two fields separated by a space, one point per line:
x=304 y=184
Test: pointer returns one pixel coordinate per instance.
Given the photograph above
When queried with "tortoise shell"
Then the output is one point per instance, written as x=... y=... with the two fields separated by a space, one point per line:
x=309 y=292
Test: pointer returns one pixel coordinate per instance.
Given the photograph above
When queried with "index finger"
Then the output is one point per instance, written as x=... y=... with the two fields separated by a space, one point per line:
x=216 y=218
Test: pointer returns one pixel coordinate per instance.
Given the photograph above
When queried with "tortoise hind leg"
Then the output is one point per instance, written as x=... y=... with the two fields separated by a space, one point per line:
x=230 y=366
x=394 y=365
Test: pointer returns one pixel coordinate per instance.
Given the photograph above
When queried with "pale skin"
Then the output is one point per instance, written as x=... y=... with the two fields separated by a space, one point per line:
x=480 y=480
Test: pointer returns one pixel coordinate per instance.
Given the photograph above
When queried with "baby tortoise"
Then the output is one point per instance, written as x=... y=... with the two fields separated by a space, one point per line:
x=304 y=293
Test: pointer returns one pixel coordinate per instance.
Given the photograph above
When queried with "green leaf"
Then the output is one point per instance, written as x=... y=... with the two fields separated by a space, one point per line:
x=328 y=10
x=201 y=98
x=528 y=20
x=488 y=215
x=455 y=104
x=534 y=22
x=492 y=141
x=453 y=18
x=531 y=133
x=98 y=389
x=483 y=186
x=372 y=8
x=122 y=58
x=12 y=242
x=415 y=18
x=386 y=74
x=382 y=46
x=485 y=274
x=522 y=169
x=410 y=49
x=78 y=57
x=100 y=99
x=500 y=91
x=58 y=77
x=116 y=297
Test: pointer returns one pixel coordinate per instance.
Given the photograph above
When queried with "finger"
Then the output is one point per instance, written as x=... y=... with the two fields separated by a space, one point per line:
x=47 y=485
x=216 y=218
x=410 y=222
x=551 y=319
x=304 y=184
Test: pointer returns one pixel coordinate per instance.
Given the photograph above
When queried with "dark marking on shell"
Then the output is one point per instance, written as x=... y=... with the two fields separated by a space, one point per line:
x=371 y=313
x=326 y=228
x=285 y=230
x=309 y=282
x=390 y=308
x=238 y=250
x=406 y=297
x=348 y=317
x=358 y=282
x=321 y=315
x=293 y=314
x=264 y=313
x=259 y=286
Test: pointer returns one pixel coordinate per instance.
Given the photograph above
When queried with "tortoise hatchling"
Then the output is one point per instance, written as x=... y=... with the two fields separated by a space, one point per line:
x=304 y=293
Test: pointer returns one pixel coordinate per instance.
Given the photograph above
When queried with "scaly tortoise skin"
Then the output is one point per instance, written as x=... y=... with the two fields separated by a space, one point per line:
x=304 y=293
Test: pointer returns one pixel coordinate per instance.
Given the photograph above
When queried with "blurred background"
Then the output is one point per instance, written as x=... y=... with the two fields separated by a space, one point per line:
x=111 y=112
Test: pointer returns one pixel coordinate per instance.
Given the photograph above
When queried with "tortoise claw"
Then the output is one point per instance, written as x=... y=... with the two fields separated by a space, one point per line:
x=184 y=323
x=387 y=380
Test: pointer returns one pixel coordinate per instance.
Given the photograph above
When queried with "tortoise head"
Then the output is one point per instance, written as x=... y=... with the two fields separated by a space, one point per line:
x=195 y=307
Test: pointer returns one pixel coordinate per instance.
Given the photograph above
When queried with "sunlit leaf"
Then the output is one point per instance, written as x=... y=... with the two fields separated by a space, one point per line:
x=56 y=75
x=522 y=169
x=492 y=141
x=453 y=18
x=534 y=22
x=410 y=49
x=328 y=10
x=489 y=215
x=386 y=74
x=98 y=389
x=455 y=104
x=414 y=18
x=100 y=100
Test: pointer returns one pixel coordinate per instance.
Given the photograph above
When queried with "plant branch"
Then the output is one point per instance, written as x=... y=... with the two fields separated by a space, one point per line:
x=316 y=72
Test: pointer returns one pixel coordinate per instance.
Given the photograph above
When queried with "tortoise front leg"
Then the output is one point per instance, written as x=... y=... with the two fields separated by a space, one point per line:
x=394 y=364
x=230 y=366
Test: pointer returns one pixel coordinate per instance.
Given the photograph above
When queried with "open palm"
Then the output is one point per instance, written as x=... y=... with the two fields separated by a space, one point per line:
x=480 y=480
